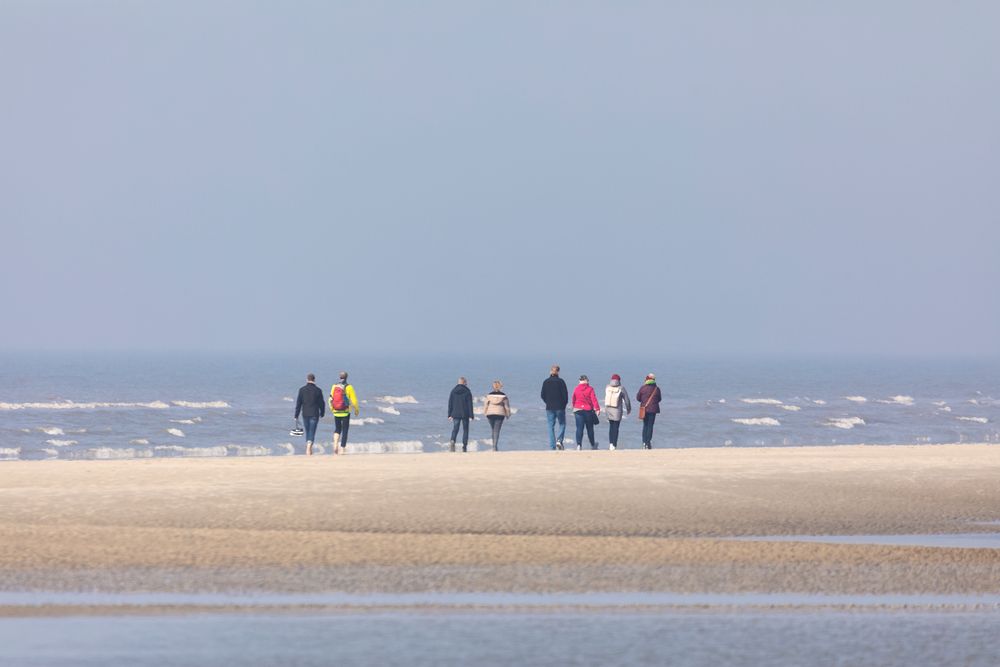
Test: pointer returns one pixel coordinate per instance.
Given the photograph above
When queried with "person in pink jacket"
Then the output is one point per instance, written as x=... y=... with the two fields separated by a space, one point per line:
x=585 y=409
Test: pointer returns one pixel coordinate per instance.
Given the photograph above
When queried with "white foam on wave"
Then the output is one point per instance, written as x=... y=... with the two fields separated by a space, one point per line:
x=856 y=399
x=177 y=450
x=52 y=430
x=286 y=447
x=758 y=421
x=73 y=405
x=819 y=401
x=10 y=453
x=138 y=441
x=111 y=453
x=940 y=404
x=361 y=421
x=791 y=408
x=845 y=423
x=201 y=404
x=392 y=400
x=288 y=399
x=50 y=453
x=176 y=432
x=248 y=450
x=196 y=420
x=761 y=401
x=388 y=410
x=898 y=400
x=978 y=420
x=393 y=447
x=61 y=443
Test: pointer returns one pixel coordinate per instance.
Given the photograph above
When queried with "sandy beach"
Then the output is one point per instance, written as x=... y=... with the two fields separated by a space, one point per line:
x=509 y=522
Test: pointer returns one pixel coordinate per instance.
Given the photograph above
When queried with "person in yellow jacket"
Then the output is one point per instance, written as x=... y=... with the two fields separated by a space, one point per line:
x=343 y=399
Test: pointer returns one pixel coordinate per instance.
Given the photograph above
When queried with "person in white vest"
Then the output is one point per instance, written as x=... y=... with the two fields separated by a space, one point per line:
x=616 y=405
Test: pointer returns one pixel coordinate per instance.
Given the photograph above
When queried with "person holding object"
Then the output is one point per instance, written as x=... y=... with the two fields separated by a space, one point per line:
x=585 y=410
x=343 y=399
x=310 y=405
x=648 y=397
x=496 y=407
x=616 y=405
x=460 y=412
x=556 y=396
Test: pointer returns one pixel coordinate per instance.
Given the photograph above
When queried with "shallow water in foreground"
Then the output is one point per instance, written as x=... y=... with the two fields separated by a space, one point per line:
x=695 y=638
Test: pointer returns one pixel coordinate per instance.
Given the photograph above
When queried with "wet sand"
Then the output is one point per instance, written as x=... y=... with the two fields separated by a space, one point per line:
x=512 y=521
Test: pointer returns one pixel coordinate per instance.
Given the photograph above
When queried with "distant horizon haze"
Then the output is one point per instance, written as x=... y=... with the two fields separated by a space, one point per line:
x=598 y=180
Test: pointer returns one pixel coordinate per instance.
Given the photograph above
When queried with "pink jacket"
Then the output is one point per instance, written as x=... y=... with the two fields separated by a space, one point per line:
x=584 y=398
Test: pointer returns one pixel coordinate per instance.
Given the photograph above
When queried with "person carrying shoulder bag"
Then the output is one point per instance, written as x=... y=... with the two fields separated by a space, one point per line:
x=648 y=397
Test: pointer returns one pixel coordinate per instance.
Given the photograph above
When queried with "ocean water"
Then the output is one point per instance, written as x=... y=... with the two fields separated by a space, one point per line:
x=888 y=639
x=106 y=406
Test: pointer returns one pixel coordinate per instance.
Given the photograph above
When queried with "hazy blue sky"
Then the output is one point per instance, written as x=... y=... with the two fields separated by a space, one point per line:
x=536 y=177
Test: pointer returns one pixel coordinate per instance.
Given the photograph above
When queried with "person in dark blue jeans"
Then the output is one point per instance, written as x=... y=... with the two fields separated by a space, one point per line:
x=460 y=412
x=648 y=397
x=311 y=405
x=556 y=397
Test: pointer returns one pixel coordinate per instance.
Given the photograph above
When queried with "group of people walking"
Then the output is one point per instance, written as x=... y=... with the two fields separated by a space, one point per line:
x=496 y=408
x=587 y=409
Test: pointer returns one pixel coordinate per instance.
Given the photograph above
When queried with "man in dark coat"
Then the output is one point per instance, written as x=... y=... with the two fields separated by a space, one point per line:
x=556 y=396
x=460 y=412
x=311 y=405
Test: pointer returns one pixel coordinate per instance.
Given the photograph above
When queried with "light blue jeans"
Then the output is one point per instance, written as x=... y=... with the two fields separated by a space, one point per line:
x=553 y=416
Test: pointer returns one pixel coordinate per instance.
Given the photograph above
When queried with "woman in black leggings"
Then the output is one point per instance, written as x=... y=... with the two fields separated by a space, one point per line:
x=496 y=407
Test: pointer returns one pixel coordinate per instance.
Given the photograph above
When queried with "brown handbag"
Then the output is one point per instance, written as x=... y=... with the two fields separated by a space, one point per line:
x=645 y=404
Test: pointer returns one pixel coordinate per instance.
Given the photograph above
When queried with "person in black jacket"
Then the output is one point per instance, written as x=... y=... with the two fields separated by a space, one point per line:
x=556 y=396
x=312 y=406
x=460 y=412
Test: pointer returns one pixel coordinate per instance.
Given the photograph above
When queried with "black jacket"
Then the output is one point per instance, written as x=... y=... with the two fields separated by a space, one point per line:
x=460 y=403
x=310 y=402
x=554 y=393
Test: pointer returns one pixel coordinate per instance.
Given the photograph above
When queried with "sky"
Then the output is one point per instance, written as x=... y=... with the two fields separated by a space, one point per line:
x=506 y=178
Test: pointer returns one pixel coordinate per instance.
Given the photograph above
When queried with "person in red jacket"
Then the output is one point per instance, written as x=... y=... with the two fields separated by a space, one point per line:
x=585 y=409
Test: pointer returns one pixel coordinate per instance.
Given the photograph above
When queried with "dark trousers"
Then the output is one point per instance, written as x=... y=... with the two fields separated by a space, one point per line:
x=464 y=423
x=496 y=421
x=310 y=424
x=342 y=425
x=613 y=427
x=584 y=419
x=647 y=428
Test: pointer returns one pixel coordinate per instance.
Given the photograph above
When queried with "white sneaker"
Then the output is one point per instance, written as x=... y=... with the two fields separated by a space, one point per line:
x=612 y=448
x=579 y=448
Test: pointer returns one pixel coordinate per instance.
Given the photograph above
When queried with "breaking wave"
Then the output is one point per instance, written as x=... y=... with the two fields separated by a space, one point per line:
x=110 y=453
x=286 y=447
x=898 y=400
x=978 y=420
x=198 y=404
x=138 y=441
x=392 y=400
x=177 y=450
x=394 y=447
x=844 y=422
x=361 y=421
x=388 y=410
x=176 y=432
x=791 y=408
x=819 y=401
x=757 y=421
x=52 y=430
x=856 y=399
x=61 y=443
x=10 y=453
x=761 y=401
x=73 y=405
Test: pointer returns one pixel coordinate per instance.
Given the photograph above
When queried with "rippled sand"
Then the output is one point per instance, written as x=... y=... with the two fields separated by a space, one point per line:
x=513 y=521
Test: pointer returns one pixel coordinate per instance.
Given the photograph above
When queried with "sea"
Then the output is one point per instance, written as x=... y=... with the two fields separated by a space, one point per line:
x=121 y=405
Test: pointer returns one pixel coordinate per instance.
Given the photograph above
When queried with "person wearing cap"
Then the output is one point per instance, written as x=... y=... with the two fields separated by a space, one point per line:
x=460 y=412
x=648 y=397
x=556 y=396
x=342 y=412
x=585 y=410
x=310 y=405
x=496 y=407
x=616 y=404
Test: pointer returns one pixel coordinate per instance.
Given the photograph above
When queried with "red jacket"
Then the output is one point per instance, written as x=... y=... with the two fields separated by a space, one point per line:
x=584 y=398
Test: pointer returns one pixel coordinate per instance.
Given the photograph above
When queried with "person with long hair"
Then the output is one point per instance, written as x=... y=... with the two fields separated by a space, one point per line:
x=496 y=407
